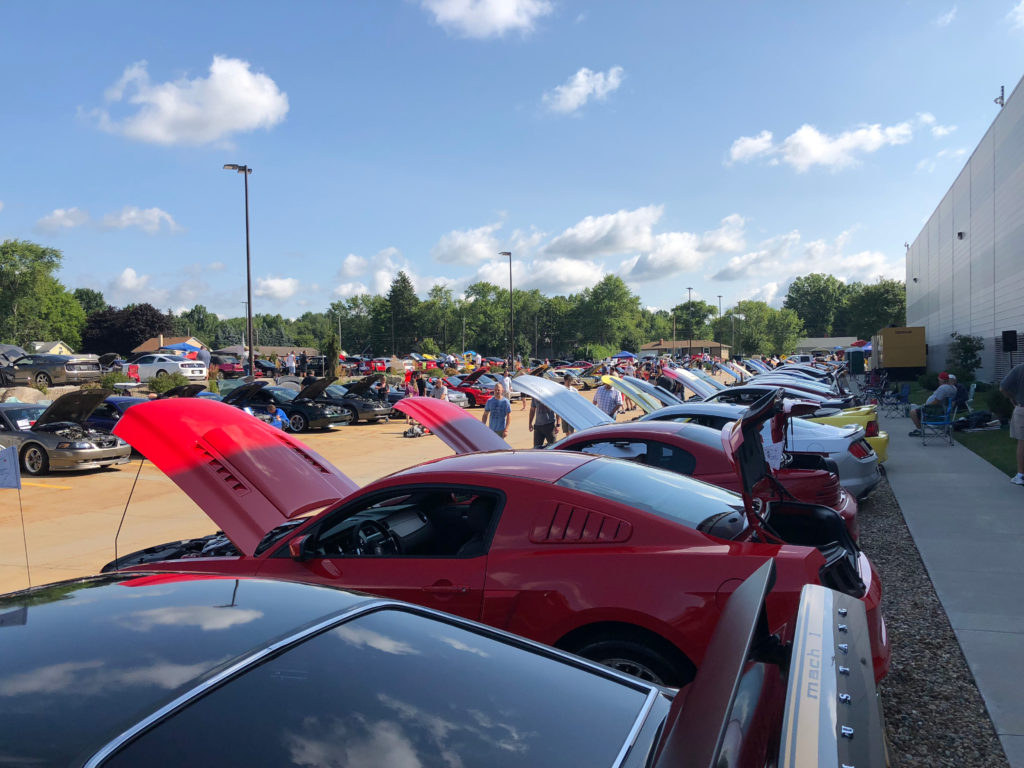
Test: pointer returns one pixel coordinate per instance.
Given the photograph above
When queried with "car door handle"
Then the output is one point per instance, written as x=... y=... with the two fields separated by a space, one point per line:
x=446 y=589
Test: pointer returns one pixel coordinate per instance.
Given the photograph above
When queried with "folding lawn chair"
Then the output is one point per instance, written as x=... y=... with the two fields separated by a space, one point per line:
x=939 y=425
x=896 y=403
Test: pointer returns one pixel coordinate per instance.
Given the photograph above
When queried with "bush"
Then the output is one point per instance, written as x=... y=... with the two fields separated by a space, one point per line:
x=964 y=358
x=164 y=383
x=108 y=380
x=433 y=372
x=998 y=403
x=929 y=381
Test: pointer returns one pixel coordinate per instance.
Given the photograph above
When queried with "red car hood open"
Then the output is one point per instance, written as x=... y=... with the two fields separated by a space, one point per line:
x=246 y=475
x=459 y=431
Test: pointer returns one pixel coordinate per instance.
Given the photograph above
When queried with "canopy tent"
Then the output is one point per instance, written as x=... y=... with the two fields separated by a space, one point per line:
x=623 y=355
x=860 y=343
x=183 y=346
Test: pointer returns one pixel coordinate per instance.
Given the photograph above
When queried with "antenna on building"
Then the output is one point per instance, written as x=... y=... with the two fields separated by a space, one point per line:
x=1001 y=98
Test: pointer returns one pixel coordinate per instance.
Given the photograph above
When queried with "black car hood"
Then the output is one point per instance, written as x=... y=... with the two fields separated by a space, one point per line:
x=317 y=388
x=361 y=387
x=246 y=390
x=75 y=407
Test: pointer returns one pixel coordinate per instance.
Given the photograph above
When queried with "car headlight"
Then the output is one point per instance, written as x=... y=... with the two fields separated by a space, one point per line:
x=78 y=445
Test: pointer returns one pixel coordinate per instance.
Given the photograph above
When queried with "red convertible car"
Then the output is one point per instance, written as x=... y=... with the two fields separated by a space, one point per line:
x=621 y=563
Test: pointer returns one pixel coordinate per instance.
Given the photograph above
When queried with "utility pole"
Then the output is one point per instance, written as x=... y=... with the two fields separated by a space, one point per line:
x=511 y=313
x=689 y=319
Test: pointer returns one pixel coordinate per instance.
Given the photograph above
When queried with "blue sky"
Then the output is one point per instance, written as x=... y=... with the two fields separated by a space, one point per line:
x=727 y=147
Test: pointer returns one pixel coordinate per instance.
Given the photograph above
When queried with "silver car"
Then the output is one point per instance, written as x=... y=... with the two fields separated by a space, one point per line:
x=47 y=370
x=158 y=365
x=55 y=437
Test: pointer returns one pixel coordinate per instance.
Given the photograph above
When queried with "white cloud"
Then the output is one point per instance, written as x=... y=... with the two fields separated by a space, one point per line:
x=353 y=266
x=348 y=290
x=551 y=276
x=487 y=18
x=1016 y=16
x=946 y=19
x=620 y=232
x=62 y=218
x=148 y=220
x=929 y=164
x=577 y=91
x=232 y=99
x=938 y=131
x=673 y=252
x=808 y=146
x=1 y=205
x=277 y=288
x=470 y=246
x=728 y=238
x=215 y=266
x=130 y=280
x=748 y=147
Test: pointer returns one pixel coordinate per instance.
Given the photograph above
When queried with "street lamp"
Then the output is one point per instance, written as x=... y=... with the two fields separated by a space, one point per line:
x=511 y=314
x=689 y=317
x=245 y=171
x=734 y=316
x=719 y=306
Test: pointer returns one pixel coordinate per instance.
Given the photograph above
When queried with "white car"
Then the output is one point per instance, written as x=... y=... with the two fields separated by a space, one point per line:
x=158 y=365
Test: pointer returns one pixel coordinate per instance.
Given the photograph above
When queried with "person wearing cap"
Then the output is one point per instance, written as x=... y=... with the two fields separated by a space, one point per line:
x=934 y=405
x=1012 y=386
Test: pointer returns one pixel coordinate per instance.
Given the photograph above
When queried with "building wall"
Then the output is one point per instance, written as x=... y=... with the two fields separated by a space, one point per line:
x=975 y=284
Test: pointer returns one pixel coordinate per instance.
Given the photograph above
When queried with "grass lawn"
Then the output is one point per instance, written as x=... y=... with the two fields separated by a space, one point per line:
x=995 y=447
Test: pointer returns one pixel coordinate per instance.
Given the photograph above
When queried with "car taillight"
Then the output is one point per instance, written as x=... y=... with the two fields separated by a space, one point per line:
x=872 y=428
x=858 y=450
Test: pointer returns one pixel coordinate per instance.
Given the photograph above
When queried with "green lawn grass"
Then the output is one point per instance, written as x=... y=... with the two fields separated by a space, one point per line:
x=995 y=447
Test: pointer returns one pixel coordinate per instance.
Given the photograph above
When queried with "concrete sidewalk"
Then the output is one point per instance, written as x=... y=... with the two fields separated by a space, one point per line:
x=967 y=520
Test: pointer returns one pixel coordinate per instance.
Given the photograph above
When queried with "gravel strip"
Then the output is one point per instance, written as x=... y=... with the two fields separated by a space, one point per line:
x=934 y=712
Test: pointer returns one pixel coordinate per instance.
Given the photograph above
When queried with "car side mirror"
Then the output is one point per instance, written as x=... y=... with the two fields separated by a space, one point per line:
x=298 y=548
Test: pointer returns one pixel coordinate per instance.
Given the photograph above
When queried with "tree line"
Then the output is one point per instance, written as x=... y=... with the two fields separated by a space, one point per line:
x=594 y=323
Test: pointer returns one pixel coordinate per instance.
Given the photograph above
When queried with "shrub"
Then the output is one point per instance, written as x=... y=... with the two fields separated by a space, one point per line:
x=164 y=383
x=432 y=372
x=964 y=356
x=998 y=403
x=929 y=381
x=108 y=380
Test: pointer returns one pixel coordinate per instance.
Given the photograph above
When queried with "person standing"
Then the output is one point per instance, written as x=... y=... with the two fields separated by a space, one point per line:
x=1012 y=386
x=497 y=412
x=303 y=362
x=608 y=400
x=543 y=424
x=477 y=360
x=567 y=383
x=290 y=362
x=421 y=385
x=203 y=356
x=441 y=390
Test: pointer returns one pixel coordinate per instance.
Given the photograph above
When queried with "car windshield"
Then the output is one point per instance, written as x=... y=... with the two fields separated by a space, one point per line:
x=337 y=390
x=282 y=394
x=660 y=492
x=25 y=417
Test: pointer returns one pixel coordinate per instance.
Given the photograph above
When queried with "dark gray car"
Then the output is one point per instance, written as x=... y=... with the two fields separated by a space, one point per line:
x=47 y=370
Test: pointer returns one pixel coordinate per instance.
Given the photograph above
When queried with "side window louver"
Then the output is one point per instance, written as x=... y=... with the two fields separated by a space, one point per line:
x=571 y=524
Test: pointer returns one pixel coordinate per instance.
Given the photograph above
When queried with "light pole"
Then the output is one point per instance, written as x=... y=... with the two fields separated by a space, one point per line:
x=689 y=320
x=245 y=171
x=511 y=314
x=719 y=306
x=734 y=316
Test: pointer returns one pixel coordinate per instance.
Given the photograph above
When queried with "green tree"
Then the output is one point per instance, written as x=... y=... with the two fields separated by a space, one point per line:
x=609 y=313
x=964 y=356
x=693 y=319
x=817 y=299
x=122 y=330
x=90 y=300
x=785 y=329
x=24 y=267
x=57 y=315
x=404 y=303
x=875 y=306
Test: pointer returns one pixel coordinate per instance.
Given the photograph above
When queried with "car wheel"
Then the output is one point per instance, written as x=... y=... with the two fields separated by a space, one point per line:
x=160 y=374
x=34 y=460
x=43 y=379
x=639 y=659
x=353 y=414
x=297 y=422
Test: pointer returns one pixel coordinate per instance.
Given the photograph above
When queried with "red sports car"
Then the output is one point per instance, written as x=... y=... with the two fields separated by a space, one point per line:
x=619 y=562
x=698 y=451
x=470 y=386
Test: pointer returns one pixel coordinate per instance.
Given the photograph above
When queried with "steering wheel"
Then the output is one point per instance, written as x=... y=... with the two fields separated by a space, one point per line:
x=373 y=538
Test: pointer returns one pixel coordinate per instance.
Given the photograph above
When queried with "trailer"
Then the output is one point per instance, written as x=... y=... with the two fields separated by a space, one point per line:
x=901 y=351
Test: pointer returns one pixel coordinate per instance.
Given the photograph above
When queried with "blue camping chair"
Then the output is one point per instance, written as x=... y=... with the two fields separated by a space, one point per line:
x=940 y=425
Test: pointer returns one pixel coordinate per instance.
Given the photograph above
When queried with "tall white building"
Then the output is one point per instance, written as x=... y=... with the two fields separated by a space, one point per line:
x=965 y=270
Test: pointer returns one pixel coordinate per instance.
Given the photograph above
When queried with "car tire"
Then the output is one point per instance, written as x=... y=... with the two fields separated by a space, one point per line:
x=353 y=414
x=160 y=374
x=297 y=422
x=43 y=379
x=664 y=666
x=34 y=460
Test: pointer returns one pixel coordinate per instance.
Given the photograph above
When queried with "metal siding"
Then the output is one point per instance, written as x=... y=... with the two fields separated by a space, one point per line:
x=975 y=285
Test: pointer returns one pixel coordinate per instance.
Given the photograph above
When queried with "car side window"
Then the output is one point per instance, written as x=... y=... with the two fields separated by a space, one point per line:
x=419 y=522
x=670 y=457
x=633 y=450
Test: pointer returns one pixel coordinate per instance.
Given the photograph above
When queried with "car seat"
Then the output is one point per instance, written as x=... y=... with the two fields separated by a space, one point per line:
x=477 y=519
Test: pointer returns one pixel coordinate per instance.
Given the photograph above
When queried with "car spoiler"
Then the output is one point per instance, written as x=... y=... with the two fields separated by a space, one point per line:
x=832 y=714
